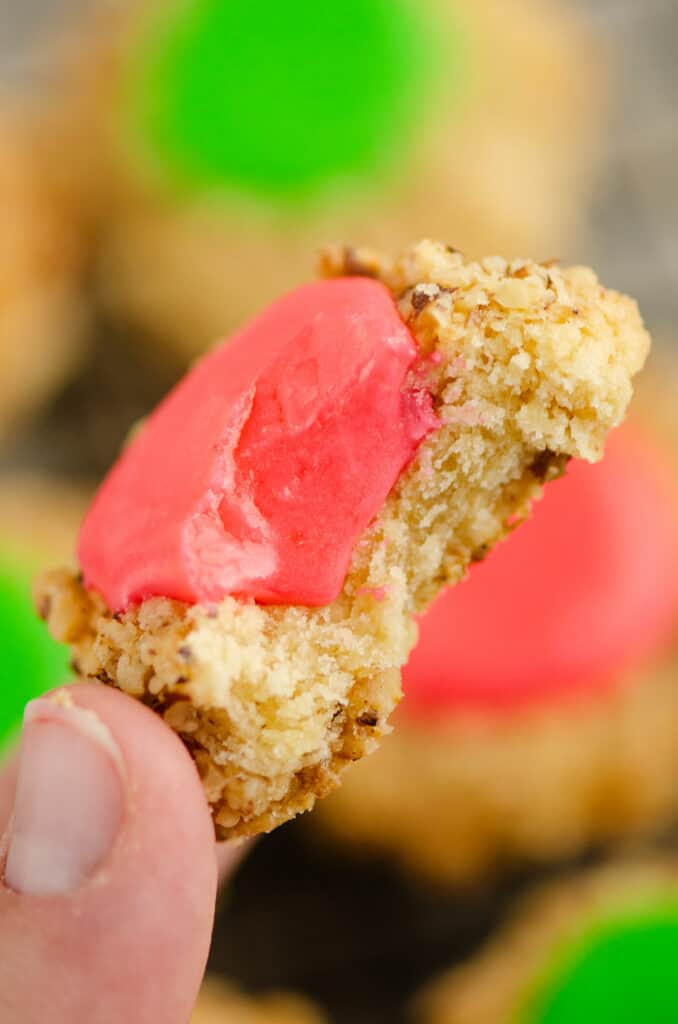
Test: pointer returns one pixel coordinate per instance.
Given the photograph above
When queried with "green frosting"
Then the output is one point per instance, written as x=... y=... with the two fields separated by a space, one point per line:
x=622 y=970
x=282 y=100
x=31 y=662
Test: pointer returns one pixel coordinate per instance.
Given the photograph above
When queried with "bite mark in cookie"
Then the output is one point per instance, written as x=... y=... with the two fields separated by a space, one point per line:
x=276 y=700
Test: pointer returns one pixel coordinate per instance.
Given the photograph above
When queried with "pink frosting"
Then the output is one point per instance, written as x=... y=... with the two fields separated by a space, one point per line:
x=585 y=590
x=256 y=476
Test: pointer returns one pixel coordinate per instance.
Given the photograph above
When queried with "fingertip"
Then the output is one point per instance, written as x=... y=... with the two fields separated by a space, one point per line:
x=164 y=783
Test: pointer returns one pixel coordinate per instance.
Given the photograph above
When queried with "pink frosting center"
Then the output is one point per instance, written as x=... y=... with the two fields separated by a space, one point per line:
x=260 y=470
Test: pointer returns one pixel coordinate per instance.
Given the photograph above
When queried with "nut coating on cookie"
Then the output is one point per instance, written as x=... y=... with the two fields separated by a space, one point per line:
x=526 y=367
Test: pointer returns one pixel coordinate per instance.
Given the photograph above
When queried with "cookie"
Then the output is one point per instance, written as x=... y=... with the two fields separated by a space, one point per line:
x=559 y=732
x=382 y=119
x=600 y=947
x=221 y=1003
x=41 y=306
x=39 y=518
x=522 y=366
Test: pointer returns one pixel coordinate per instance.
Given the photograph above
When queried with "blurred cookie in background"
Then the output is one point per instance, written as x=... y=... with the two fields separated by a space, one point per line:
x=208 y=152
x=41 y=298
x=599 y=947
x=541 y=709
x=221 y=1003
x=39 y=518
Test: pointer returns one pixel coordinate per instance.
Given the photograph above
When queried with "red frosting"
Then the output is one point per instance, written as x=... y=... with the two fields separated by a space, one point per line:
x=586 y=588
x=258 y=473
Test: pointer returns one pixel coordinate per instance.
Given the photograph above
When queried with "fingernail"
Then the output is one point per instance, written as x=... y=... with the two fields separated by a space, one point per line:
x=69 y=801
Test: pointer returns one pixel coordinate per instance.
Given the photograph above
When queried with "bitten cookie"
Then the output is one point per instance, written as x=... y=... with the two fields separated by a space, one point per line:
x=363 y=441
x=377 y=112
x=221 y=1003
x=601 y=947
x=541 y=712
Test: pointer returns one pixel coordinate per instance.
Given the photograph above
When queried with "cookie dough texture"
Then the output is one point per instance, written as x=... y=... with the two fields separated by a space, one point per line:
x=463 y=796
x=528 y=365
x=221 y=1003
x=490 y=988
x=41 y=309
x=502 y=159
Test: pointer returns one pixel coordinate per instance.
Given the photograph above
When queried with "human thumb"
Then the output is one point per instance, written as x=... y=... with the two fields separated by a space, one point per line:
x=108 y=867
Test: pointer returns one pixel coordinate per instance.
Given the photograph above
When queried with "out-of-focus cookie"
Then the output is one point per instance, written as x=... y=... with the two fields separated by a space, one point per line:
x=600 y=947
x=41 y=304
x=541 y=708
x=213 y=152
x=253 y=562
x=221 y=1003
x=38 y=522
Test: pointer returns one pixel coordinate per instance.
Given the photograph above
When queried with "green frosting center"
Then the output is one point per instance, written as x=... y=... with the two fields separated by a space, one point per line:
x=622 y=970
x=279 y=99
x=30 y=661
